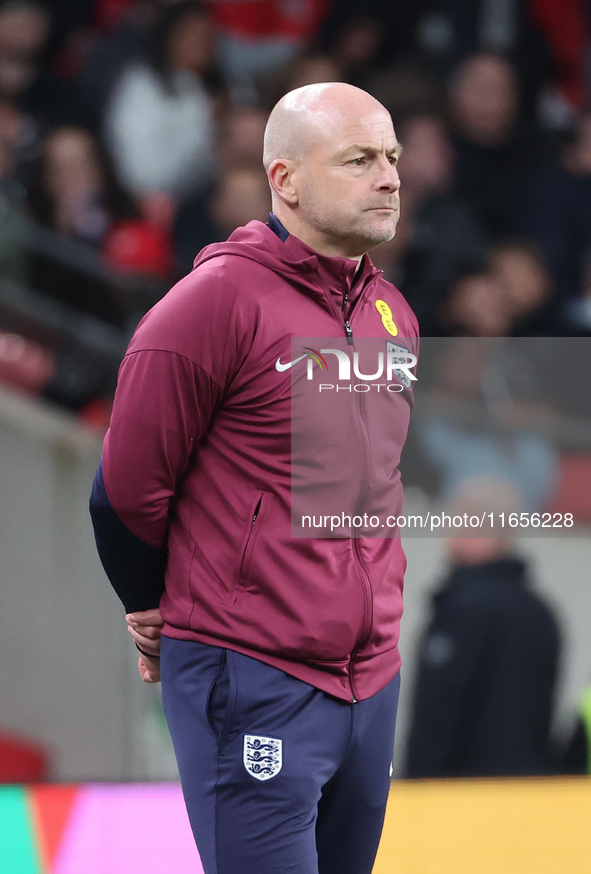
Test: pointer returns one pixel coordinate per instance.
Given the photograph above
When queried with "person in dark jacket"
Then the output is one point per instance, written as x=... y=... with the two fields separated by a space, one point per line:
x=484 y=693
x=554 y=212
x=495 y=144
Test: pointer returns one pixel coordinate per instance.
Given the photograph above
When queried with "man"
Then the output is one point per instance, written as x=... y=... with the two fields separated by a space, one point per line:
x=279 y=654
x=484 y=696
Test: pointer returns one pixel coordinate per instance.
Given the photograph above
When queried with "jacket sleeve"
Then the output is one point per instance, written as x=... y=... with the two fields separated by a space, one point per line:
x=163 y=406
x=135 y=568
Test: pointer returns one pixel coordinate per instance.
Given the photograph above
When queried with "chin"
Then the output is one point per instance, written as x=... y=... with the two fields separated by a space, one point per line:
x=382 y=236
x=384 y=229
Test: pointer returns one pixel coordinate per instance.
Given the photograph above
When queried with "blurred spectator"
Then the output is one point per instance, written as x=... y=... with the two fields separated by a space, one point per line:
x=482 y=419
x=75 y=191
x=76 y=194
x=241 y=138
x=159 y=122
x=188 y=161
x=24 y=29
x=449 y=31
x=121 y=36
x=125 y=42
x=437 y=232
x=258 y=37
x=484 y=692
x=308 y=68
x=513 y=297
x=241 y=194
x=407 y=90
x=362 y=39
x=555 y=213
x=356 y=48
x=484 y=100
x=474 y=307
x=356 y=44
x=495 y=146
x=34 y=89
x=526 y=289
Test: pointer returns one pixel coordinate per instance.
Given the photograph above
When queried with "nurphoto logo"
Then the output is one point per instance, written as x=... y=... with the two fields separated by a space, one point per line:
x=398 y=364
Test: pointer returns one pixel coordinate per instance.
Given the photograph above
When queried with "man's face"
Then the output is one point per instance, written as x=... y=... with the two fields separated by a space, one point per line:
x=348 y=184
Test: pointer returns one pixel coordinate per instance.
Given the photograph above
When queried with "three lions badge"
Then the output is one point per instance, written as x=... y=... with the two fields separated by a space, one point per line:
x=262 y=756
x=400 y=354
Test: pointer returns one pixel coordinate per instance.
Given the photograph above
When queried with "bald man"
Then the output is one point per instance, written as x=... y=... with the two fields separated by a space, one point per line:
x=278 y=654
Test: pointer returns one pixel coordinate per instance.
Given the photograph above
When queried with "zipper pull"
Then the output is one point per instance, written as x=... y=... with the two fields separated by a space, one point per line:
x=257 y=510
x=348 y=332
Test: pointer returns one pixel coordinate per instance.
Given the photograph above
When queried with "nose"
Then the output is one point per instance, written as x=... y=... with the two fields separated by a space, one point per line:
x=389 y=180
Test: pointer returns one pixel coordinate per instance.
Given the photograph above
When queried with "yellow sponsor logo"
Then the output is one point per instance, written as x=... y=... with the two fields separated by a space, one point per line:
x=386 y=314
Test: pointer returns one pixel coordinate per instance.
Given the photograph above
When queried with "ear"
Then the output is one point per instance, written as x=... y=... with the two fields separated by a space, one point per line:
x=281 y=179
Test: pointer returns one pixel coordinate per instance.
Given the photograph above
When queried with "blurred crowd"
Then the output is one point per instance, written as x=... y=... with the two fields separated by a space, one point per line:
x=133 y=129
x=131 y=136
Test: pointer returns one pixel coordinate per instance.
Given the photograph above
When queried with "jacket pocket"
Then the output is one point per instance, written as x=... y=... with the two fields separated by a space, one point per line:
x=249 y=546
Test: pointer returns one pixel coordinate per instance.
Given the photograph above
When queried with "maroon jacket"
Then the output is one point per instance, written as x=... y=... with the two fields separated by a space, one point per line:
x=198 y=454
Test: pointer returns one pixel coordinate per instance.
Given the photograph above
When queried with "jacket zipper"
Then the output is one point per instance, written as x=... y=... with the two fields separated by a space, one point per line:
x=245 y=555
x=364 y=576
x=365 y=582
x=347 y=323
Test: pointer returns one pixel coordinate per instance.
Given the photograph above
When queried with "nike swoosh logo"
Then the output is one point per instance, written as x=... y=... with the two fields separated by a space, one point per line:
x=281 y=367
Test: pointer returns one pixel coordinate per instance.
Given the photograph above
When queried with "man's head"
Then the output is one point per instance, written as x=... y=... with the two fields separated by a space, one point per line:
x=477 y=497
x=242 y=194
x=524 y=280
x=484 y=99
x=428 y=163
x=576 y=157
x=330 y=154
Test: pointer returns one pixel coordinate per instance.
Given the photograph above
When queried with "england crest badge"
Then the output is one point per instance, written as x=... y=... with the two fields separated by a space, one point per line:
x=399 y=354
x=262 y=756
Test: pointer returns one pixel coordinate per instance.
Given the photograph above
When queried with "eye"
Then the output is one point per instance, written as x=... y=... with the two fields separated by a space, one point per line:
x=359 y=162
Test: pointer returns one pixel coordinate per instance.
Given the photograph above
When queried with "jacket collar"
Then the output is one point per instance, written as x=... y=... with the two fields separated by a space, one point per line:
x=319 y=275
x=340 y=275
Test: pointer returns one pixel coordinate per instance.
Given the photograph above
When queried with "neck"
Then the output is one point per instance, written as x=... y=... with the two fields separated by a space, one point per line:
x=315 y=239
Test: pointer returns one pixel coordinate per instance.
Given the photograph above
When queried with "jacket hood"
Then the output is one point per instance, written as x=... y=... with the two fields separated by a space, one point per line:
x=307 y=268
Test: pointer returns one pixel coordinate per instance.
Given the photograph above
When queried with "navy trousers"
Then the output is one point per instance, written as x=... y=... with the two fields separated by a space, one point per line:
x=278 y=777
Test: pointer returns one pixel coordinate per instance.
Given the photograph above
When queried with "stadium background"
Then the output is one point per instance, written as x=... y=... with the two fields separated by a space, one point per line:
x=130 y=134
